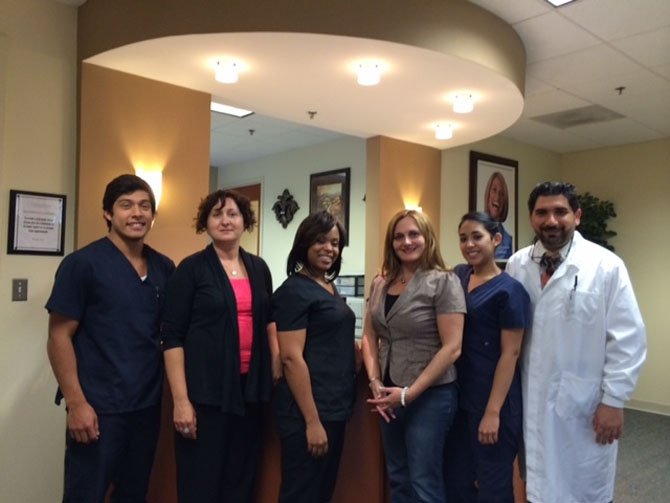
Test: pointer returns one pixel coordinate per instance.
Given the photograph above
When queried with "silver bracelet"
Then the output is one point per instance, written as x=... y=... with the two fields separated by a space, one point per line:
x=403 y=393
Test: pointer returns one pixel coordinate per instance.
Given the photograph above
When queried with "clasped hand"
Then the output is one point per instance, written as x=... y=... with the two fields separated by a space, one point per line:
x=385 y=399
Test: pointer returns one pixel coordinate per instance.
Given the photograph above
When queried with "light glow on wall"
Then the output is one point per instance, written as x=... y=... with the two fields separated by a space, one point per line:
x=154 y=177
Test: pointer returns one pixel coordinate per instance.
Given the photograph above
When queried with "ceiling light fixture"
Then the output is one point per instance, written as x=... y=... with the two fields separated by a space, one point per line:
x=229 y=110
x=444 y=132
x=463 y=103
x=227 y=72
x=369 y=74
x=558 y=3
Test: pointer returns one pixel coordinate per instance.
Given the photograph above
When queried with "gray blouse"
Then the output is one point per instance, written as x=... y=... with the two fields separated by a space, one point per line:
x=408 y=334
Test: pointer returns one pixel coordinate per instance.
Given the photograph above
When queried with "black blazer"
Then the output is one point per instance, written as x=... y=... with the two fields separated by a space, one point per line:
x=200 y=315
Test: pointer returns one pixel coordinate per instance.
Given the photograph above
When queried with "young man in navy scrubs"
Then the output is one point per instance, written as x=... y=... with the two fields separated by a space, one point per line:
x=103 y=345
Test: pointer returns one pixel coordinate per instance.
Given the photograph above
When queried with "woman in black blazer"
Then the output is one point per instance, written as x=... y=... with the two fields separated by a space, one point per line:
x=221 y=355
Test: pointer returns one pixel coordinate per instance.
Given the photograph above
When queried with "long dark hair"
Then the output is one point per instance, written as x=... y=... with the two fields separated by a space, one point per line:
x=312 y=229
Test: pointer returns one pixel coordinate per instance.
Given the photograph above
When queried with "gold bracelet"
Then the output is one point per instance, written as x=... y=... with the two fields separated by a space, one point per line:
x=373 y=380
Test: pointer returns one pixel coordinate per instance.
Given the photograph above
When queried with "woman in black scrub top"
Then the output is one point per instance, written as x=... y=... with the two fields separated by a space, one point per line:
x=316 y=342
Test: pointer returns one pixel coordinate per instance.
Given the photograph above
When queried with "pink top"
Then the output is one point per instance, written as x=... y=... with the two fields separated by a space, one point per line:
x=245 y=322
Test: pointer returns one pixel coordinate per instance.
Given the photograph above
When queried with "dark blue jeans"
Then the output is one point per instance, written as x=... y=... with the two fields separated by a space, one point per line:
x=414 y=446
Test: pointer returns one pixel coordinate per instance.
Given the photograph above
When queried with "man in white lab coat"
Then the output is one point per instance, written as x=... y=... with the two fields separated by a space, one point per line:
x=582 y=354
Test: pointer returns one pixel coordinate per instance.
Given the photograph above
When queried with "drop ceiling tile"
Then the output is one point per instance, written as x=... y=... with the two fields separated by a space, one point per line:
x=587 y=65
x=649 y=49
x=614 y=19
x=639 y=83
x=535 y=86
x=663 y=70
x=629 y=103
x=653 y=111
x=541 y=135
x=616 y=132
x=658 y=121
x=552 y=35
x=515 y=11
x=550 y=102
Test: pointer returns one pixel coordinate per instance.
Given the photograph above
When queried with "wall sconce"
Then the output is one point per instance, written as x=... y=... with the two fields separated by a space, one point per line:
x=154 y=178
x=227 y=72
x=444 y=132
x=410 y=207
x=463 y=103
x=368 y=74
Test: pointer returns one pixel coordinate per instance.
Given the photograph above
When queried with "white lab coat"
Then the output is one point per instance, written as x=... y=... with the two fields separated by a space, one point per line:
x=586 y=346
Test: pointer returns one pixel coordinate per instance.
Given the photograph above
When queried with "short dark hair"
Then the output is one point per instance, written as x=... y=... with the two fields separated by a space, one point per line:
x=220 y=196
x=492 y=226
x=310 y=230
x=122 y=185
x=554 y=189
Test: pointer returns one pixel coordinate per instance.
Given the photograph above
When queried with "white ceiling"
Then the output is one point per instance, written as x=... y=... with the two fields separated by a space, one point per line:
x=577 y=56
x=286 y=75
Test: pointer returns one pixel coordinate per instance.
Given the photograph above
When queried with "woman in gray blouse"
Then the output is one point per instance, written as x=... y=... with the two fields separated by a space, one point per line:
x=413 y=333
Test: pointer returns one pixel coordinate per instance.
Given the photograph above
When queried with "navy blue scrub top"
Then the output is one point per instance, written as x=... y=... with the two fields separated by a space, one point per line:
x=500 y=303
x=117 y=342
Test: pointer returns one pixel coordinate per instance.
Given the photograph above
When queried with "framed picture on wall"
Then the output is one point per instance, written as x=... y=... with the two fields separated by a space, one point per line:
x=493 y=189
x=329 y=191
x=36 y=223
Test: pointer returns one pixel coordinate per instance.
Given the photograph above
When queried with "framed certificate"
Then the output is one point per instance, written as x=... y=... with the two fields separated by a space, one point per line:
x=36 y=223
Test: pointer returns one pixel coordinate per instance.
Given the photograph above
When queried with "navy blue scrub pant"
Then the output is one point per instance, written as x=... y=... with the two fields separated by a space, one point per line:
x=478 y=473
x=122 y=456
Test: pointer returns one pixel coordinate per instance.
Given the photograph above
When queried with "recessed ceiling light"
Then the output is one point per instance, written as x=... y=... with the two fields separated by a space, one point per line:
x=558 y=3
x=368 y=73
x=229 y=110
x=463 y=103
x=227 y=72
x=444 y=132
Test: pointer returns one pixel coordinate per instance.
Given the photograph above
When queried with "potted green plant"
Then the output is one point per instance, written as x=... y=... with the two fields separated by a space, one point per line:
x=595 y=214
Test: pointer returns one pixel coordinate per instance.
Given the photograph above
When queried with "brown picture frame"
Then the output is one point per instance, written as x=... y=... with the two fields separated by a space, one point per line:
x=330 y=191
x=489 y=174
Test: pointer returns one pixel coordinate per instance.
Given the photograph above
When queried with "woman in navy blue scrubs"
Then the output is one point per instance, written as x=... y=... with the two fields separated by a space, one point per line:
x=486 y=434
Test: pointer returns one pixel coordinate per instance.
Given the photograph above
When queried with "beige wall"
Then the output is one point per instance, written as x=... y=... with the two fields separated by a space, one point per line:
x=636 y=178
x=535 y=165
x=128 y=121
x=291 y=170
x=399 y=174
x=37 y=153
